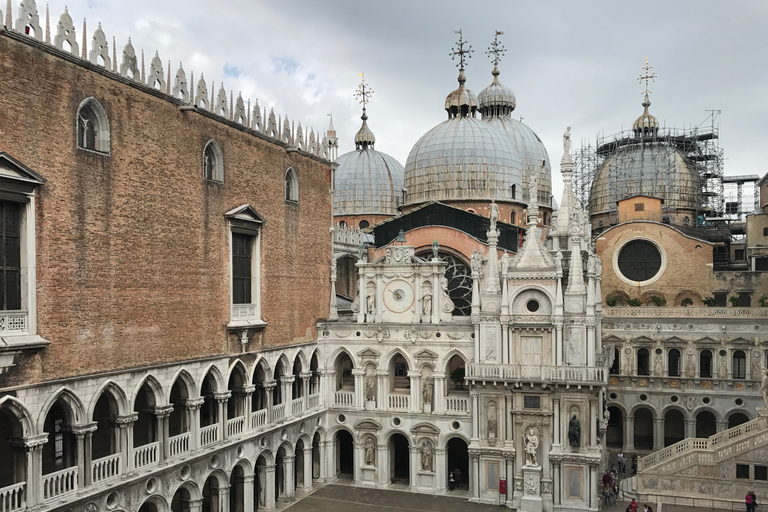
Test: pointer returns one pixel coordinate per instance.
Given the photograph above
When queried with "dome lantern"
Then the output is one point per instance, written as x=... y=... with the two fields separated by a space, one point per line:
x=461 y=102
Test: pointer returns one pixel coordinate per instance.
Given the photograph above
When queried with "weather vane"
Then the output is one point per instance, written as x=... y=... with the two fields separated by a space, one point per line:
x=647 y=76
x=363 y=92
x=461 y=51
x=497 y=50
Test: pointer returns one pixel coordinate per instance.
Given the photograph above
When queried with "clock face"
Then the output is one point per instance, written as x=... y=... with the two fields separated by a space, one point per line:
x=398 y=296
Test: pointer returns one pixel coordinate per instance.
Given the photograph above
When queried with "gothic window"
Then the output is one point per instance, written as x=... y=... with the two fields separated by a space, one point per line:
x=364 y=224
x=705 y=364
x=213 y=162
x=245 y=226
x=459 y=282
x=639 y=260
x=291 y=186
x=342 y=224
x=643 y=362
x=92 y=127
x=673 y=363
x=739 y=365
x=10 y=256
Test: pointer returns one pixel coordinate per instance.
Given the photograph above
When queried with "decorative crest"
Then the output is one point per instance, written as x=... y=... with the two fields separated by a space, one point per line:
x=648 y=76
x=364 y=92
x=461 y=51
x=497 y=50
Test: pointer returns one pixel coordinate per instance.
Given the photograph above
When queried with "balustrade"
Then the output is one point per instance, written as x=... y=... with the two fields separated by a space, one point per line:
x=209 y=434
x=313 y=401
x=179 y=444
x=517 y=372
x=345 y=398
x=13 y=497
x=297 y=406
x=60 y=482
x=278 y=412
x=235 y=426
x=457 y=404
x=397 y=401
x=259 y=418
x=145 y=455
x=106 y=467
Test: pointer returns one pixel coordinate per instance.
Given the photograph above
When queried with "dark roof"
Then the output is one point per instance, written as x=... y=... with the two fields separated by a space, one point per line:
x=436 y=213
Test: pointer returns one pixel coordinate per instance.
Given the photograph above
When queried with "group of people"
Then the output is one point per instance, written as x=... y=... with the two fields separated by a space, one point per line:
x=611 y=486
x=622 y=460
x=454 y=479
x=751 y=501
x=633 y=505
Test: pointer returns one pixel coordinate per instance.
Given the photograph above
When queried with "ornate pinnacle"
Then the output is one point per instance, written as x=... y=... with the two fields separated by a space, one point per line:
x=461 y=51
x=364 y=92
x=497 y=50
x=652 y=76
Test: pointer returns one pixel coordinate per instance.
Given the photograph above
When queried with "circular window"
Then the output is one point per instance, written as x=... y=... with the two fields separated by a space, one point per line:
x=739 y=402
x=658 y=351
x=455 y=425
x=532 y=305
x=643 y=397
x=151 y=485
x=459 y=283
x=112 y=500
x=613 y=396
x=341 y=418
x=722 y=353
x=706 y=400
x=215 y=461
x=186 y=472
x=673 y=399
x=639 y=261
x=396 y=421
x=240 y=452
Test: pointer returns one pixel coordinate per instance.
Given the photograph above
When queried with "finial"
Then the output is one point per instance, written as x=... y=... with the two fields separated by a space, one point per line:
x=497 y=50
x=47 y=25
x=646 y=77
x=363 y=93
x=461 y=51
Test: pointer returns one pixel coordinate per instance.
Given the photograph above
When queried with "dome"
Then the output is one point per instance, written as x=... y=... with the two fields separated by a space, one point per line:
x=367 y=182
x=645 y=167
x=462 y=158
x=646 y=123
x=497 y=96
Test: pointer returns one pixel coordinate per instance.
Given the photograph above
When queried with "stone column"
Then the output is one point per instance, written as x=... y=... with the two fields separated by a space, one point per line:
x=248 y=503
x=591 y=342
x=359 y=375
x=305 y=376
x=32 y=466
x=413 y=467
x=162 y=413
x=475 y=415
x=658 y=433
x=223 y=499
x=415 y=377
x=289 y=464
x=721 y=425
x=382 y=465
x=558 y=349
x=247 y=393
x=440 y=474
x=555 y=482
x=556 y=426
x=594 y=497
x=269 y=488
x=286 y=384
x=382 y=389
x=357 y=456
x=269 y=387
x=474 y=475
x=307 y=483
x=83 y=435
x=629 y=433
x=193 y=406
x=508 y=426
x=592 y=438
x=690 y=427
x=438 y=393
x=195 y=505
x=125 y=424
x=221 y=411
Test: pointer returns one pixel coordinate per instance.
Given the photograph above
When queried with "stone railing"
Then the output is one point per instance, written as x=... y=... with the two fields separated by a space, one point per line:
x=179 y=444
x=297 y=406
x=244 y=311
x=457 y=404
x=13 y=497
x=313 y=401
x=278 y=412
x=519 y=372
x=720 y=446
x=13 y=321
x=690 y=312
x=258 y=418
x=344 y=398
x=209 y=434
x=60 y=482
x=106 y=467
x=146 y=455
x=235 y=426
x=397 y=401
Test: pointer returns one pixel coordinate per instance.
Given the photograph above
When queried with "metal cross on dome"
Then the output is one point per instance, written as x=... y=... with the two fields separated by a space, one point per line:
x=363 y=92
x=647 y=76
x=496 y=50
x=460 y=51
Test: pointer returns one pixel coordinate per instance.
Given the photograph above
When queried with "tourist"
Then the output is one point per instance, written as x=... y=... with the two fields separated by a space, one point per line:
x=622 y=463
x=457 y=477
x=632 y=506
x=634 y=464
x=451 y=481
x=749 y=501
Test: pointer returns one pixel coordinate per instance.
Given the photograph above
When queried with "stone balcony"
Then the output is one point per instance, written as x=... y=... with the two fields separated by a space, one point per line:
x=516 y=373
x=684 y=312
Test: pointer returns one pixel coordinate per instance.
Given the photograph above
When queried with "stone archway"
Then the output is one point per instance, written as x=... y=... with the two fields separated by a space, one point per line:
x=706 y=424
x=736 y=419
x=643 y=429
x=615 y=434
x=399 y=459
x=457 y=457
x=674 y=427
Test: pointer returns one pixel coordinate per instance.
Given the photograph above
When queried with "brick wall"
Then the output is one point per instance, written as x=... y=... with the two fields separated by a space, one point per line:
x=132 y=248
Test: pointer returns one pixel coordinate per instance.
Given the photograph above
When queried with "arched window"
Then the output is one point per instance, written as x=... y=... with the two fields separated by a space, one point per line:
x=673 y=363
x=643 y=362
x=291 y=186
x=739 y=365
x=765 y=231
x=514 y=191
x=92 y=127
x=705 y=364
x=342 y=224
x=213 y=162
x=512 y=218
x=364 y=224
x=616 y=362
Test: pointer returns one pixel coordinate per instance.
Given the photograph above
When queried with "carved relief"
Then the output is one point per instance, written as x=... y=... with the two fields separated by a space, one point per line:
x=65 y=31
x=100 y=48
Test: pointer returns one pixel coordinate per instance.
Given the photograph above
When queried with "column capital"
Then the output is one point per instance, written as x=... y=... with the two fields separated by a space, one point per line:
x=244 y=390
x=223 y=396
x=438 y=375
x=194 y=403
x=29 y=443
x=288 y=379
x=248 y=479
x=414 y=373
x=305 y=375
x=126 y=419
x=358 y=371
x=269 y=384
x=163 y=411
x=82 y=430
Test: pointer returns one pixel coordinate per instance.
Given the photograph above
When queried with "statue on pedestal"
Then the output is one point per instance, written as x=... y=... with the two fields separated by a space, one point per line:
x=764 y=386
x=369 y=388
x=370 y=452
x=531 y=446
x=426 y=456
x=426 y=303
x=427 y=391
x=494 y=215
x=574 y=432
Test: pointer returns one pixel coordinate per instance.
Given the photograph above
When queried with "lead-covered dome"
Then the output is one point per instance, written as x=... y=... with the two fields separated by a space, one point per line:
x=462 y=158
x=367 y=181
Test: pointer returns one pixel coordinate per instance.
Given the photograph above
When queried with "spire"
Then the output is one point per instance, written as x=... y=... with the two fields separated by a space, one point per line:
x=461 y=102
x=364 y=136
x=496 y=99
x=646 y=124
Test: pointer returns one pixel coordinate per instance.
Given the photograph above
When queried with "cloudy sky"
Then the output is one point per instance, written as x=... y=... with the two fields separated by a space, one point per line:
x=569 y=63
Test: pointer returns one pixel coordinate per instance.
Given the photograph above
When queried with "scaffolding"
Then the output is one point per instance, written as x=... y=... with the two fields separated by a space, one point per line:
x=657 y=158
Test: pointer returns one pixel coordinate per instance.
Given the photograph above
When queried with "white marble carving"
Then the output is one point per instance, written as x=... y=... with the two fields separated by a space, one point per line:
x=222 y=107
x=129 y=62
x=256 y=117
x=201 y=95
x=65 y=31
x=180 y=87
x=28 y=17
x=239 y=115
x=100 y=48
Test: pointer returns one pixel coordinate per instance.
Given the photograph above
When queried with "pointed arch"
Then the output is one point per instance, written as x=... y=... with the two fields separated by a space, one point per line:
x=213 y=162
x=302 y=358
x=154 y=386
x=387 y=359
x=291 y=185
x=74 y=409
x=261 y=362
x=22 y=415
x=283 y=365
x=114 y=389
x=238 y=366
x=186 y=379
x=92 y=126
x=443 y=362
x=336 y=353
x=214 y=372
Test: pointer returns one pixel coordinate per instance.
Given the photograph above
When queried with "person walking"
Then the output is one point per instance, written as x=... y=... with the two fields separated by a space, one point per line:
x=754 y=500
x=457 y=477
x=622 y=463
x=748 y=501
x=451 y=481
x=634 y=464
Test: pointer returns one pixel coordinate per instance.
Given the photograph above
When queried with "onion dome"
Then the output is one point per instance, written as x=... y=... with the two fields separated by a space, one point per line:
x=497 y=99
x=462 y=101
x=367 y=181
x=646 y=124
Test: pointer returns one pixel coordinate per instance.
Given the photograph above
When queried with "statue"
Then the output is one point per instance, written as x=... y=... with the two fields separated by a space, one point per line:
x=559 y=263
x=426 y=303
x=492 y=420
x=369 y=383
x=476 y=262
x=426 y=456
x=574 y=432
x=531 y=446
x=370 y=452
x=435 y=249
x=567 y=141
x=360 y=251
x=427 y=391
x=370 y=302
x=722 y=369
x=533 y=191
x=690 y=369
x=333 y=269
x=591 y=264
x=598 y=267
x=505 y=263
x=659 y=366
x=764 y=386
x=494 y=214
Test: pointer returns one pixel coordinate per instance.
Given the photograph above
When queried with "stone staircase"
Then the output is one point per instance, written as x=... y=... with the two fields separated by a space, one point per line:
x=702 y=472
